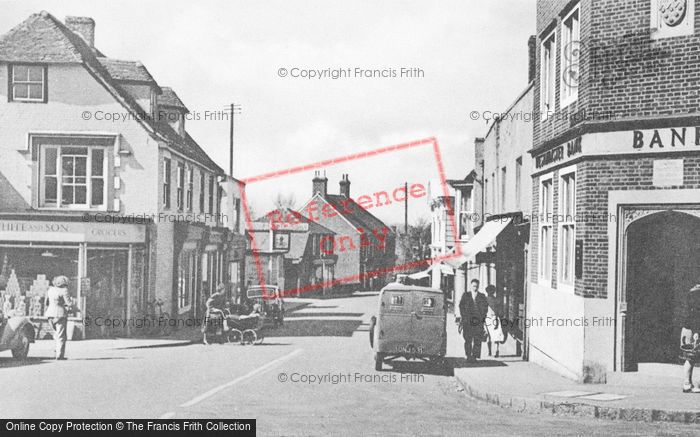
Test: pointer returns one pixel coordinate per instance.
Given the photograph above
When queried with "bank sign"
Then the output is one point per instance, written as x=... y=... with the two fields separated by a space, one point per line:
x=71 y=232
x=637 y=142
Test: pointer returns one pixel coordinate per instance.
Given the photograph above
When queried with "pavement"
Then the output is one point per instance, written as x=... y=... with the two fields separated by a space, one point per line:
x=313 y=376
x=510 y=382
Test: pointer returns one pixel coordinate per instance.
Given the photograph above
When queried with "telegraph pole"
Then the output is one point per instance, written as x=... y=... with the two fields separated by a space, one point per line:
x=233 y=109
x=405 y=210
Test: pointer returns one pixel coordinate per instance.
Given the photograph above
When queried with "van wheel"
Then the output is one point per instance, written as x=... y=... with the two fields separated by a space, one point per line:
x=378 y=361
x=22 y=349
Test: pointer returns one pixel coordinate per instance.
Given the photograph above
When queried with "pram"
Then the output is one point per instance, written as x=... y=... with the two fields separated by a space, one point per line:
x=244 y=329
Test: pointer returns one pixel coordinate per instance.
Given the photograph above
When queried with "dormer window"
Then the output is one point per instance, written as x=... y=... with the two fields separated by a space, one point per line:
x=27 y=83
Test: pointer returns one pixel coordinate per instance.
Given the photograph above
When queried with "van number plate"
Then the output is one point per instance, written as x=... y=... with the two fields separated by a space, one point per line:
x=409 y=349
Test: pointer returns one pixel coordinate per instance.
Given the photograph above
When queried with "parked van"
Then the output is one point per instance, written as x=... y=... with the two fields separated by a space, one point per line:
x=410 y=324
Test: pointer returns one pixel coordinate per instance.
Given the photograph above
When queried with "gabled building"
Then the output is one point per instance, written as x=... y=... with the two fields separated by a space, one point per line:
x=452 y=224
x=364 y=245
x=301 y=251
x=100 y=181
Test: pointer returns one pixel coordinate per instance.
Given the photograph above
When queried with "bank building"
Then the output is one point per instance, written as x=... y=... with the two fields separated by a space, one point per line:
x=615 y=231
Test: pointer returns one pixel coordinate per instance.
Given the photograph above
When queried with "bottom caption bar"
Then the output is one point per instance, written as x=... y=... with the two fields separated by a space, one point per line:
x=238 y=427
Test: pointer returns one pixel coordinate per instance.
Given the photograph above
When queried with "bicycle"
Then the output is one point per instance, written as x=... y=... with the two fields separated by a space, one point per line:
x=155 y=324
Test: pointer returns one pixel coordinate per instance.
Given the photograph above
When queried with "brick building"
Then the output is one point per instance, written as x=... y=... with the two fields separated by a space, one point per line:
x=129 y=209
x=364 y=245
x=615 y=235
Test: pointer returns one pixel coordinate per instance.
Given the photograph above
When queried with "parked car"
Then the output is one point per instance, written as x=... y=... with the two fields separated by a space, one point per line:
x=270 y=301
x=16 y=333
x=410 y=324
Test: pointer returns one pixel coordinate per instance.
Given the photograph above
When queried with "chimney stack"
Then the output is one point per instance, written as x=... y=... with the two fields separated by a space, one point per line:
x=320 y=184
x=83 y=26
x=345 y=186
x=531 y=58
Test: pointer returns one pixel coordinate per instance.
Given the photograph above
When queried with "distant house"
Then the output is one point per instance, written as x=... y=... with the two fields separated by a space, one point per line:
x=364 y=245
x=293 y=252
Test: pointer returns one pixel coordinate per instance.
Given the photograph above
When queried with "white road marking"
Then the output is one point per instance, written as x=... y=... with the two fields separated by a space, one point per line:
x=169 y=415
x=260 y=369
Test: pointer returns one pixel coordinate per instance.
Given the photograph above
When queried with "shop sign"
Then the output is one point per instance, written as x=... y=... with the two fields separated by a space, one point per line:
x=74 y=232
x=632 y=142
x=558 y=154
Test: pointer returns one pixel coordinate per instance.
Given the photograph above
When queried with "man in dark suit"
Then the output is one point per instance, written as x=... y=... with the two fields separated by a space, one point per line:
x=473 y=307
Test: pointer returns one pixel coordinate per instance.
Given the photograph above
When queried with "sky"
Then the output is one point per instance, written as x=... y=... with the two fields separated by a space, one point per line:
x=465 y=55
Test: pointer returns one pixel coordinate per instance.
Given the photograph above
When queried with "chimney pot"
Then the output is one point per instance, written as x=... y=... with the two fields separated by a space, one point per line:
x=319 y=184
x=345 y=186
x=83 y=26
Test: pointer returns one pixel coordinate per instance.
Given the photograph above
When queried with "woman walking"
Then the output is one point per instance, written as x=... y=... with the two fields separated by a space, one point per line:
x=58 y=303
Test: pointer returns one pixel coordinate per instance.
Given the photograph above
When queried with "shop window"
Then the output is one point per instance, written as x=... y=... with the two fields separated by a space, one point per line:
x=28 y=83
x=72 y=176
x=190 y=188
x=546 y=230
x=187 y=263
x=166 y=182
x=567 y=227
x=570 y=57
x=547 y=75
x=26 y=274
x=180 y=186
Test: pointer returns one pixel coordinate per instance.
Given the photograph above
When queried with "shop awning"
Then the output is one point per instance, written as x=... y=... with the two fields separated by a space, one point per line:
x=480 y=241
x=421 y=275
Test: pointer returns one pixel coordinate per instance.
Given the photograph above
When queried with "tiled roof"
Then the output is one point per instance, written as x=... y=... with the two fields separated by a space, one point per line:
x=358 y=216
x=170 y=99
x=38 y=39
x=43 y=38
x=127 y=70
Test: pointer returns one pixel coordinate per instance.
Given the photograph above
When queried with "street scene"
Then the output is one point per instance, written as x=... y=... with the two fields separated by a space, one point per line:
x=348 y=218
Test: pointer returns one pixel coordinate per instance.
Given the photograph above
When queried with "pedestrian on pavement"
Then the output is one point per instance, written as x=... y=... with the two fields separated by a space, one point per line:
x=58 y=304
x=215 y=312
x=473 y=307
x=494 y=327
x=690 y=339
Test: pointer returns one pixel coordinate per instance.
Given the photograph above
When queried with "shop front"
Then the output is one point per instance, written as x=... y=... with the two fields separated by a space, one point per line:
x=236 y=264
x=105 y=265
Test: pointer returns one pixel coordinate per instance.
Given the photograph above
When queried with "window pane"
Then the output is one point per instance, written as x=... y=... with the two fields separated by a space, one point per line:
x=50 y=189
x=80 y=166
x=36 y=91
x=97 y=162
x=36 y=74
x=67 y=194
x=20 y=73
x=50 y=161
x=74 y=151
x=81 y=195
x=21 y=91
x=67 y=166
x=97 y=191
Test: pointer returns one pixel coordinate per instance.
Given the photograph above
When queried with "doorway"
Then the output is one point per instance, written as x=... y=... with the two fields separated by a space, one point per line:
x=662 y=264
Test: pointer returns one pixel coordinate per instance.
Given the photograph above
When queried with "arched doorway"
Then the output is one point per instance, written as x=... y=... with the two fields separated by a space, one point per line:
x=662 y=264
